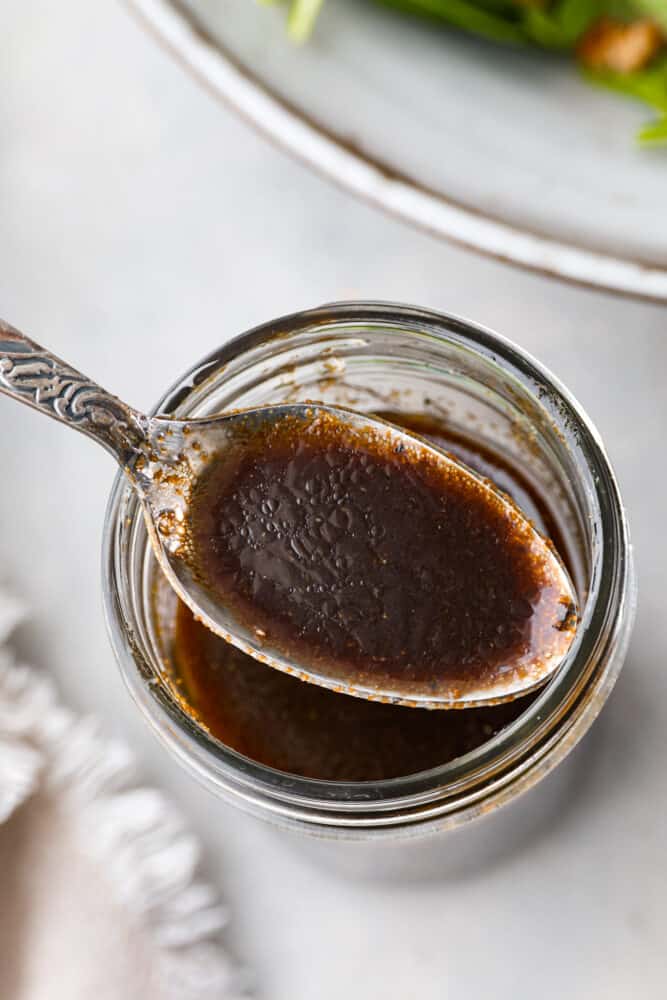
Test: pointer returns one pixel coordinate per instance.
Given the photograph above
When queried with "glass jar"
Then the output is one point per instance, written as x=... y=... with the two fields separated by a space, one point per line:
x=374 y=356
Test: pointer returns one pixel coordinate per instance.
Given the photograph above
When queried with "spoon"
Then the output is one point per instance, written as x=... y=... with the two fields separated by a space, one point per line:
x=166 y=460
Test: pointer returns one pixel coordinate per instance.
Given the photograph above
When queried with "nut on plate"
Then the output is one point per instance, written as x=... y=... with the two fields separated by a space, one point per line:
x=619 y=47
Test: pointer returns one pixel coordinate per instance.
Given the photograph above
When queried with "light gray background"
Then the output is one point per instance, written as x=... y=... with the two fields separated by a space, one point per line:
x=140 y=225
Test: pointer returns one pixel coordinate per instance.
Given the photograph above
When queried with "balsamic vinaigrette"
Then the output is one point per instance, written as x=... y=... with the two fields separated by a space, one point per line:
x=302 y=729
x=372 y=562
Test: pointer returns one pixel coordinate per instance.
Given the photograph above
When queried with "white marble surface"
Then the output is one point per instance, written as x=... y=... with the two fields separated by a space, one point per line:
x=140 y=225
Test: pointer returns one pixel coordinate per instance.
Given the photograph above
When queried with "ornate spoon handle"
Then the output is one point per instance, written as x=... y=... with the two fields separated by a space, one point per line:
x=32 y=375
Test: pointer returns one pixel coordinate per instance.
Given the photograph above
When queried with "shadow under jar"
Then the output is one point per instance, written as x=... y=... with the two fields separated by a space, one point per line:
x=326 y=763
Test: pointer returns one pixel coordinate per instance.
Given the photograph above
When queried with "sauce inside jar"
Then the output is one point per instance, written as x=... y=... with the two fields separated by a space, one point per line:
x=306 y=730
x=373 y=561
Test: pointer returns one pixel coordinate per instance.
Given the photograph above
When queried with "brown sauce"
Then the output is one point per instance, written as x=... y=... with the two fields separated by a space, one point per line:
x=372 y=562
x=295 y=727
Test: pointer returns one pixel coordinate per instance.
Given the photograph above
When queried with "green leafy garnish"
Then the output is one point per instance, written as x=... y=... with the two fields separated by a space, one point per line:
x=648 y=85
x=654 y=132
x=472 y=17
x=549 y=24
x=655 y=9
x=562 y=24
x=302 y=17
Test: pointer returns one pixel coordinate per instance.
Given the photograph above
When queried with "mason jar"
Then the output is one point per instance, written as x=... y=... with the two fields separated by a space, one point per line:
x=374 y=356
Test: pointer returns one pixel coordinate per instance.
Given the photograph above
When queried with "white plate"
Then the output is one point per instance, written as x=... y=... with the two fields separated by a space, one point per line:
x=505 y=151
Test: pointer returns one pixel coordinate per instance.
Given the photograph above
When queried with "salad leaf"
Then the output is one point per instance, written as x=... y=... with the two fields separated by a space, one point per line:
x=656 y=9
x=302 y=17
x=648 y=85
x=468 y=15
x=552 y=24
x=561 y=25
x=654 y=132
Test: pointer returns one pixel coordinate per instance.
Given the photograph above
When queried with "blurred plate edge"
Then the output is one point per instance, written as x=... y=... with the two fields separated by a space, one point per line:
x=217 y=69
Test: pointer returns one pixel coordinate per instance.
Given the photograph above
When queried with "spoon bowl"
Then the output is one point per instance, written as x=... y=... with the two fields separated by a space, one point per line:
x=165 y=461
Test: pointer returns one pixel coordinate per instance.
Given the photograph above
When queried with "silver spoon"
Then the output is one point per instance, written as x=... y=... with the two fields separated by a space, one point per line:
x=163 y=460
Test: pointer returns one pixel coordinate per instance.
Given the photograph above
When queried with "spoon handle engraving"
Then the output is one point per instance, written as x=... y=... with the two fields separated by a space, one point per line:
x=32 y=375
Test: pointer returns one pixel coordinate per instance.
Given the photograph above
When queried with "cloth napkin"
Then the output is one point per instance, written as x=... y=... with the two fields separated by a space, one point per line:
x=100 y=895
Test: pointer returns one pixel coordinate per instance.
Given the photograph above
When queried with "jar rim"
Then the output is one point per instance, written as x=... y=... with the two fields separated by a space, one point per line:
x=519 y=753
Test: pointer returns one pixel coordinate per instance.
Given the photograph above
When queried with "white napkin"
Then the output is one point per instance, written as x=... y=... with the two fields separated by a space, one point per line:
x=99 y=893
